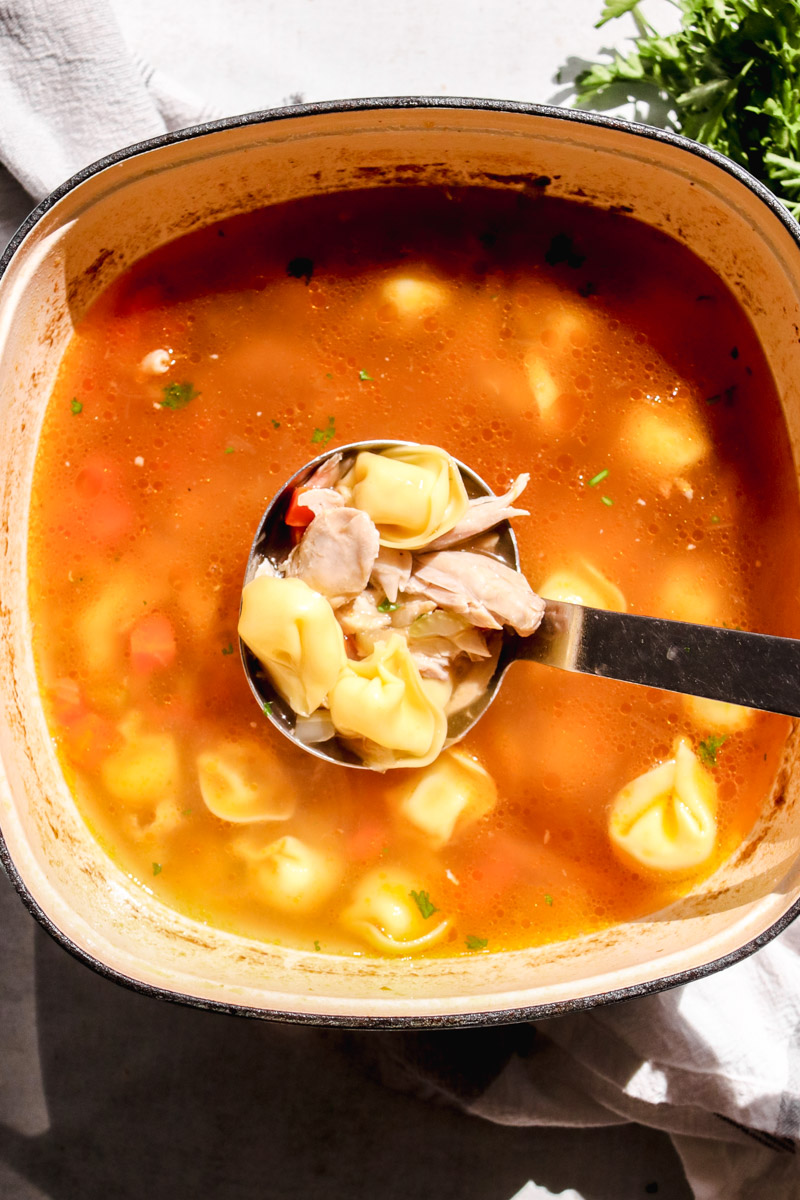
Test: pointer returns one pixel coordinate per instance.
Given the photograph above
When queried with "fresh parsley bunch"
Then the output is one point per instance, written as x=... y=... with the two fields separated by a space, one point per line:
x=732 y=73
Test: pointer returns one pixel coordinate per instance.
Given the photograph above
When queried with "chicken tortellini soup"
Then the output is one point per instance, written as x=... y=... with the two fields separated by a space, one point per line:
x=611 y=392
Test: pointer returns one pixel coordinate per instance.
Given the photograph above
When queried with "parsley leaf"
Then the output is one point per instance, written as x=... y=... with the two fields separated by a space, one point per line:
x=386 y=606
x=323 y=436
x=476 y=943
x=317 y=945
x=178 y=395
x=708 y=748
x=275 y=424
x=156 y=868
x=364 y=377
x=75 y=406
x=228 y=649
x=728 y=74
x=423 y=903
x=268 y=708
x=548 y=899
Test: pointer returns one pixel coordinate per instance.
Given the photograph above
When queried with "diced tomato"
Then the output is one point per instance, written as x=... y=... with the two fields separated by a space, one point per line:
x=68 y=702
x=108 y=518
x=367 y=841
x=297 y=514
x=86 y=736
x=89 y=738
x=103 y=511
x=152 y=643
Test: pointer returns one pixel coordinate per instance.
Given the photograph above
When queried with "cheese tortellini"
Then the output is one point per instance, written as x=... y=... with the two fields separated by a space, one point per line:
x=240 y=783
x=291 y=875
x=413 y=297
x=384 y=912
x=581 y=583
x=293 y=631
x=665 y=444
x=690 y=595
x=718 y=715
x=413 y=494
x=666 y=818
x=541 y=382
x=452 y=793
x=146 y=769
x=381 y=699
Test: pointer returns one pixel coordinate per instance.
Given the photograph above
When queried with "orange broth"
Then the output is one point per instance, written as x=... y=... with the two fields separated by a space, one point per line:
x=277 y=321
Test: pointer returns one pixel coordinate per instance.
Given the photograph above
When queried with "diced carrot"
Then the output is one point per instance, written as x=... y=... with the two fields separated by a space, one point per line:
x=89 y=738
x=108 y=518
x=297 y=514
x=68 y=703
x=366 y=841
x=152 y=643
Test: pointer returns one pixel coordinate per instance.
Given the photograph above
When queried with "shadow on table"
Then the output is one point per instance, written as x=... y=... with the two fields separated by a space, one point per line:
x=151 y=1099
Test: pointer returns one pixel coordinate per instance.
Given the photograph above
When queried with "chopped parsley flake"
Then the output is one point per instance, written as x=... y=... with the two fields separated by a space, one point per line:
x=364 y=377
x=423 y=903
x=599 y=477
x=156 y=868
x=708 y=748
x=275 y=424
x=548 y=899
x=228 y=649
x=178 y=395
x=386 y=606
x=317 y=945
x=321 y=437
x=187 y=812
x=75 y=406
x=607 y=501
x=230 y=449
x=268 y=708
x=476 y=943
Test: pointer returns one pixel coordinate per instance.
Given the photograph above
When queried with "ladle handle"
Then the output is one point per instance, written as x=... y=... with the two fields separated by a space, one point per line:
x=753 y=669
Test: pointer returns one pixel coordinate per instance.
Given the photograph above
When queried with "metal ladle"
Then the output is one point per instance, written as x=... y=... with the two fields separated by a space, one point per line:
x=756 y=670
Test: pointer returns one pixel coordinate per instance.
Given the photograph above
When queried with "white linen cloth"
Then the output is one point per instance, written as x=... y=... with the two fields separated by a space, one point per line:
x=715 y=1064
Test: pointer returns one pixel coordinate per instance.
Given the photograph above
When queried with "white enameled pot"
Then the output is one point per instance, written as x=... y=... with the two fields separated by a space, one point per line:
x=93 y=227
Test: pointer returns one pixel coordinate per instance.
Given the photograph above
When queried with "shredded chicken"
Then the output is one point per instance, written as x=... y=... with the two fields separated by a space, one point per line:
x=392 y=571
x=472 y=685
x=435 y=655
x=336 y=555
x=361 y=615
x=484 y=513
x=320 y=498
x=327 y=473
x=484 y=590
x=408 y=610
